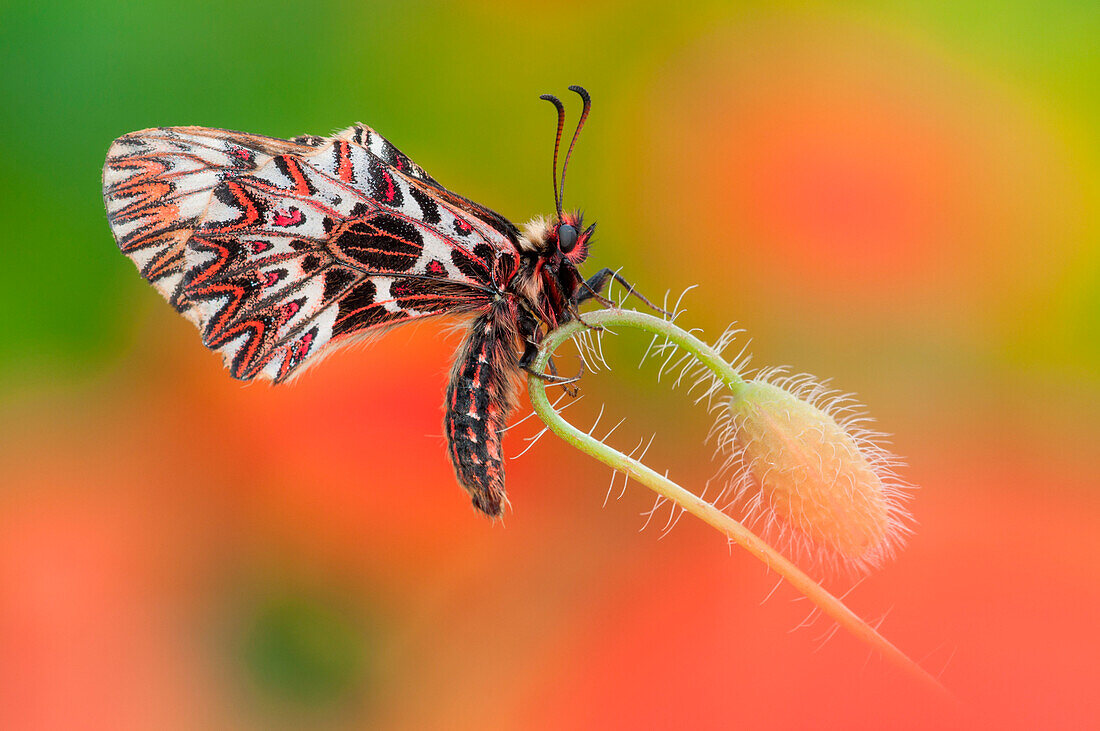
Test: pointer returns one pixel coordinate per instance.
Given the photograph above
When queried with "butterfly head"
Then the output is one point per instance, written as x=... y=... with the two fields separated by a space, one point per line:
x=566 y=233
x=571 y=238
x=565 y=236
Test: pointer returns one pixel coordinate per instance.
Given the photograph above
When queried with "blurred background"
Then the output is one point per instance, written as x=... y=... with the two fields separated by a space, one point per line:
x=902 y=197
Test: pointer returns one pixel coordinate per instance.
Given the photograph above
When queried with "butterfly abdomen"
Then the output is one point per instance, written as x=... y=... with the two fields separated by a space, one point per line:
x=480 y=397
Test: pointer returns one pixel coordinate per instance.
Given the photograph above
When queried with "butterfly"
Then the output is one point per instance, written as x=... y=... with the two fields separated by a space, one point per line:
x=280 y=250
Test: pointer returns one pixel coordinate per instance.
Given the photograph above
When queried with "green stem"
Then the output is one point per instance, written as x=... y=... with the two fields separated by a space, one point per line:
x=713 y=360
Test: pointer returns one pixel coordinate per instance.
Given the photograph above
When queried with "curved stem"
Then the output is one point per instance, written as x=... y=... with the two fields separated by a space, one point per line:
x=707 y=512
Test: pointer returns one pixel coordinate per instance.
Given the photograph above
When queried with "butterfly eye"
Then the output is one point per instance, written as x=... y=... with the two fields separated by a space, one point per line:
x=567 y=238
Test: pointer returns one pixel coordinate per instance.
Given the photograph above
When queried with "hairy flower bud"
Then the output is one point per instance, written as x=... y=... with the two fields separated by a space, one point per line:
x=802 y=465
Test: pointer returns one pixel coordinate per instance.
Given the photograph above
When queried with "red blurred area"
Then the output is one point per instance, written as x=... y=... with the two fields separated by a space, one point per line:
x=336 y=449
x=113 y=567
x=98 y=583
x=842 y=194
x=679 y=643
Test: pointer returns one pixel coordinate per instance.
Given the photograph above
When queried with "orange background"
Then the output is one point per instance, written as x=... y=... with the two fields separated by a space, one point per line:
x=902 y=199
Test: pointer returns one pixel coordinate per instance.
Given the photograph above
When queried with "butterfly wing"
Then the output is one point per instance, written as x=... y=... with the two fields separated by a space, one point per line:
x=277 y=248
x=385 y=151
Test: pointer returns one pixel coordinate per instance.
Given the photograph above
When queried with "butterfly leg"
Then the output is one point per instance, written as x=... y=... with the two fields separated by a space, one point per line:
x=564 y=381
x=526 y=362
x=552 y=378
x=593 y=286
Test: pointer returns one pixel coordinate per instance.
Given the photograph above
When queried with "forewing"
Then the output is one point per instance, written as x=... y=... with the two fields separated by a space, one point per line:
x=377 y=145
x=310 y=246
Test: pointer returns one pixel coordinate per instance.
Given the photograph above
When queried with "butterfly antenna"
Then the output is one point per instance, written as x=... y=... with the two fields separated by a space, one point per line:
x=557 y=143
x=580 y=90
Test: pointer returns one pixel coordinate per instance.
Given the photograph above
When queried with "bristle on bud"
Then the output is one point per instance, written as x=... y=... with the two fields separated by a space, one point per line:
x=800 y=464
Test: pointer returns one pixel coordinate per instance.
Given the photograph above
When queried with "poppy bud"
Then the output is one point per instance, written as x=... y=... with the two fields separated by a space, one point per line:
x=801 y=464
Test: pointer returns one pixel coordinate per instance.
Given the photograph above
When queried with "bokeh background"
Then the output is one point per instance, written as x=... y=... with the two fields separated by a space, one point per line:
x=900 y=196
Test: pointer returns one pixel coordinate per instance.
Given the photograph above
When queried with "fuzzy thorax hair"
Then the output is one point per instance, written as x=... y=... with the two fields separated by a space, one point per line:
x=536 y=235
